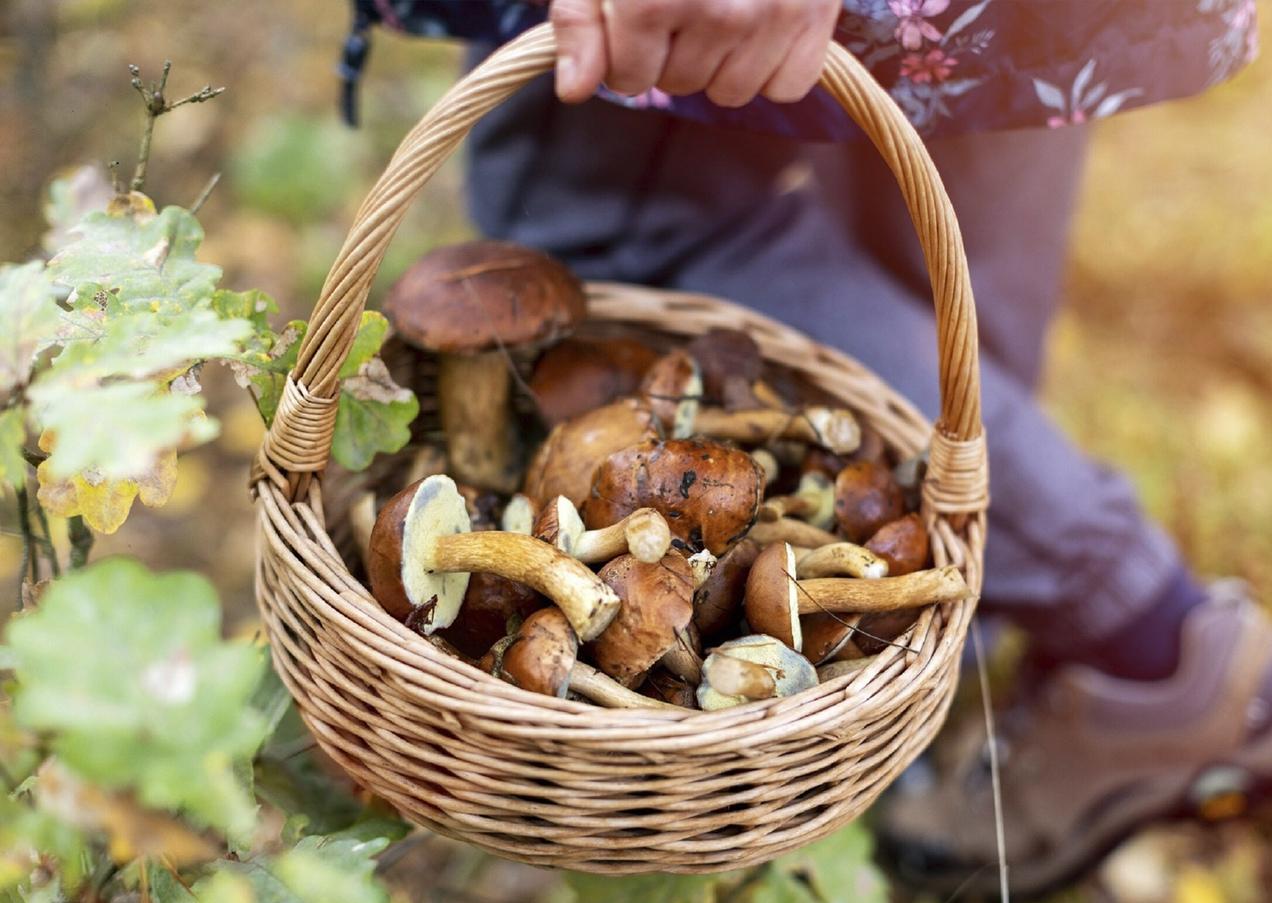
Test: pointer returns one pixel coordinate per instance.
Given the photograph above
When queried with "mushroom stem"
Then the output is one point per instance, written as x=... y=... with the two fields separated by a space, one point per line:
x=796 y=532
x=518 y=515
x=840 y=559
x=813 y=501
x=644 y=533
x=768 y=464
x=833 y=428
x=587 y=603
x=599 y=688
x=943 y=584
x=472 y=391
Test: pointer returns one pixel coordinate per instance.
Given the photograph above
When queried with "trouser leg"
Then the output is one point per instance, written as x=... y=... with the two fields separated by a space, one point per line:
x=636 y=196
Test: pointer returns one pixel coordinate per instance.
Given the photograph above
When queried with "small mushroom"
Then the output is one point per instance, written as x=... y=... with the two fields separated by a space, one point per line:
x=828 y=637
x=567 y=460
x=702 y=564
x=643 y=533
x=840 y=559
x=542 y=658
x=708 y=493
x=768 y=463
x=833 y=428
x=518 y=515
x=657 y=606
x=866 y=498
x=673 y=386
x=796 y=532
x=578 y=375
x=903 y=544
x=771 y=585
x=724 y=354
x=422 y=552
x=471 y=303
x=717 y=604
x=771 y=602
x=813 y=501
x=788 y=671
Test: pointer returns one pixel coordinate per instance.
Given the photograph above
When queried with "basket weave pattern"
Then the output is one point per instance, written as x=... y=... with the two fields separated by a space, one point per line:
x=559 y=783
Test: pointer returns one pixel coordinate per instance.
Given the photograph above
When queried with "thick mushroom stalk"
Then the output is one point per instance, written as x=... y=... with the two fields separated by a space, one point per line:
x=644 y=534
x=835 y=429
x=542 y=657
x=471 y=303
x=789 y=672
x=423 y=544
x=796 y=532
x=840 y=559
x=813 y=501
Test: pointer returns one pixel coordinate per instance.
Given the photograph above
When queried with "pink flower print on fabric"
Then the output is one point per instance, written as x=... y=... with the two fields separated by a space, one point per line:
x=932 y=67
x=913 y=26
x=1083 y=100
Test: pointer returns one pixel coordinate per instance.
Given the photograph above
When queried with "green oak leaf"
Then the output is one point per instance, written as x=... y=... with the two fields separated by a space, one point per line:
x=29 y=317
x=264 y=367
x=146 y=260
x=254 y=305
x=142 y=344
x=166 y=712
x=116 y=431
x=643 y=888
x=374 y=413
x=12 y=437
x=839 y=867
x=70 y=198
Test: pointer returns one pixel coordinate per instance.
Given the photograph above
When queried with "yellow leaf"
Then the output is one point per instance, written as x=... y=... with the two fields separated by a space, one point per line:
x=1198 y=886
x=104 y=504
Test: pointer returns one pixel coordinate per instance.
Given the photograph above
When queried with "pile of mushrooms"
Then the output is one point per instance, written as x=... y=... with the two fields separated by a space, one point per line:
x=689 y=532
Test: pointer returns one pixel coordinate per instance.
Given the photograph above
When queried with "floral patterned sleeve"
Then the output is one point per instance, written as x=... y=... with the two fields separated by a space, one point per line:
x=952 y=65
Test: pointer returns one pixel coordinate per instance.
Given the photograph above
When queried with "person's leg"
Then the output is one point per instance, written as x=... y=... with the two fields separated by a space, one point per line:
x=637 y=196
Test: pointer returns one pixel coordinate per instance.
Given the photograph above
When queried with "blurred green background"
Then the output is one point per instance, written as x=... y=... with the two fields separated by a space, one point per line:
x=1161 y=363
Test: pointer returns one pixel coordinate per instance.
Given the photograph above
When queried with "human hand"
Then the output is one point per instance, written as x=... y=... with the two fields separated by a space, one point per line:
x=733 y=50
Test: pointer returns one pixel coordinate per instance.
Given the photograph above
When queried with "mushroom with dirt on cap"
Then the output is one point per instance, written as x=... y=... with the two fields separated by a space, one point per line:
x=472 y=303
x=422 y=552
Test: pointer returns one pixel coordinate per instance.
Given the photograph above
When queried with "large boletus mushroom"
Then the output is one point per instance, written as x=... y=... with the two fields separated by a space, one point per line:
x=471 y=303
x=709 y=493
x=422 y=552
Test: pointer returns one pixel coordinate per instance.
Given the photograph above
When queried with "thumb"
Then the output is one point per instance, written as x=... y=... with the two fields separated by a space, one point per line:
x=580 y=35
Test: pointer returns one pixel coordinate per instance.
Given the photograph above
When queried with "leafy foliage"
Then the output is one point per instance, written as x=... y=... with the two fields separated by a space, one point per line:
x=28 y=317
x=374 y=413
x=166 y=713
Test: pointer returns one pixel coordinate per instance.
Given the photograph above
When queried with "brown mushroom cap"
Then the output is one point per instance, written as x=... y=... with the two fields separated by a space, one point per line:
x=903 y=544
x=827 y=636
x=709 y=493
x=725 y=353
x=567 y=460
x=876 y=631
x=664 y=686
x=866 y=498
x=657 y=602
x=718 y=602
x=542 y=654
x=492 y=606
x=771 y=603
x=577 y=375
x=472 y=297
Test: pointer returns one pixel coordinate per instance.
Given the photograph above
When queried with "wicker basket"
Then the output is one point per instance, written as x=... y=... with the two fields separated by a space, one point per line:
x=559 y=783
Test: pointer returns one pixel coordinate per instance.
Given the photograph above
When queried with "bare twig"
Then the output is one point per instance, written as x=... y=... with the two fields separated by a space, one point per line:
x=995 y=779
x=47 y=540
x=81 y=541
x=156 y=104
x=29 y=562
x=203 y=195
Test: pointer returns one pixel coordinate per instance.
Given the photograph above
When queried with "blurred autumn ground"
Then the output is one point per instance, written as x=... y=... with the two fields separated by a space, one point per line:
x=1162 y=362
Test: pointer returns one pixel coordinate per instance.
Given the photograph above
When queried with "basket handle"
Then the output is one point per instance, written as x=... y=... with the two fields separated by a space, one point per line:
x=299 y=439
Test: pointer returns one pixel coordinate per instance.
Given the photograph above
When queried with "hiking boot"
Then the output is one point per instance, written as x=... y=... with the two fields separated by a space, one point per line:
x=1086 y=759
